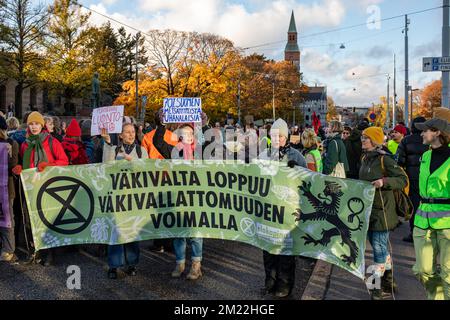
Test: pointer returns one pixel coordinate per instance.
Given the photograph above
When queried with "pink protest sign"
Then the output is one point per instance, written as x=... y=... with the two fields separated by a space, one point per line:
x=107 y=117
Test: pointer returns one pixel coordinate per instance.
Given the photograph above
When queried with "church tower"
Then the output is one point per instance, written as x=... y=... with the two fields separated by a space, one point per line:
x=292 y=52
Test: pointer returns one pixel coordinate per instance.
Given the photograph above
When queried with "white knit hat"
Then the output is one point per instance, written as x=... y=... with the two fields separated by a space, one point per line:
x=281 y=126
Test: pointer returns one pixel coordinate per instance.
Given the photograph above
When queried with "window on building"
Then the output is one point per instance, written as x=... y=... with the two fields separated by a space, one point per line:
x=307 y=117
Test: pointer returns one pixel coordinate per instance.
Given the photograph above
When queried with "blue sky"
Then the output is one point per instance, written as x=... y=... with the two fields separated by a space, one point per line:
x=368 y=53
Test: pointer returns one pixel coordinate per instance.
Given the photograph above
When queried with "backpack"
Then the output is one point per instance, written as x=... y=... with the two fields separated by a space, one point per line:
x=403 y=205
x=138 y=151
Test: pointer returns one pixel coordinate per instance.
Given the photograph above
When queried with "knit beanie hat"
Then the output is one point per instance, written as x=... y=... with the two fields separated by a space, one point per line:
x=36 y=117
x=281 y=126
x=73 y=130
x=400 y=129
x=375 y=134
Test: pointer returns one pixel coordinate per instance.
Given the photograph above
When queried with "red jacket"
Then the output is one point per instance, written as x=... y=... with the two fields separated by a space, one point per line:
x=75 y=150
x=56 y=158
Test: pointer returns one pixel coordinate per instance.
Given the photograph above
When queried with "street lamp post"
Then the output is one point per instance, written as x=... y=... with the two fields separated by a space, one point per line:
x=137 y=78
x=412 y=90
x=293 y=105
x=273 y=99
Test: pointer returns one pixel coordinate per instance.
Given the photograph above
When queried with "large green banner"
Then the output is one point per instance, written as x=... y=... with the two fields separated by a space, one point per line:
x=266 y=204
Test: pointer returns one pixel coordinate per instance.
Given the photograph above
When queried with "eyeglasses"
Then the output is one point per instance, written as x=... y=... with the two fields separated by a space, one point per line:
x=364 y=138
x=346 y=133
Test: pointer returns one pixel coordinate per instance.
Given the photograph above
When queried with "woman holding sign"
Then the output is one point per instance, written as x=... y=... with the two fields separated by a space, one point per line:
x=183 y=150
x=123 y=254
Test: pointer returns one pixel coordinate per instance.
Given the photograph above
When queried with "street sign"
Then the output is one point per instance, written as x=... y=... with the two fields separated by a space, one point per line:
x=372 y=117
x=436 y=64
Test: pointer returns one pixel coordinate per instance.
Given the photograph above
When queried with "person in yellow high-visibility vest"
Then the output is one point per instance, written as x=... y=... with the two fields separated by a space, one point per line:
x=432 y=221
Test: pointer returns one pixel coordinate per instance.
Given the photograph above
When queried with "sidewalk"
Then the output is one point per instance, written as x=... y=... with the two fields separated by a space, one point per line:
x=345 y=286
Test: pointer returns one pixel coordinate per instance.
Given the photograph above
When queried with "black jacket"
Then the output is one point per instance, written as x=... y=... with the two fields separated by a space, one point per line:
x=354 y=151
x=409 y=151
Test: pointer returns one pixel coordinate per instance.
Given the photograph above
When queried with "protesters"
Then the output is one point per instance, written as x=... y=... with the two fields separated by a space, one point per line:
x=123 y=254
x=87 y=140
x=353 y=150
x=335 y=158
x=382 y=171
x=21 y=134
x=40 y=150
x=57 y=132
x=72 y=145
x=280 y=269
x=13 y=125
x=432 y=221
x=397 y=134
x=159 y=245
x=49 y=125
x=312 y=155
x=7 y=235
x=408 y=132
x=410 y=150
x=346 y=133
x=183 y=150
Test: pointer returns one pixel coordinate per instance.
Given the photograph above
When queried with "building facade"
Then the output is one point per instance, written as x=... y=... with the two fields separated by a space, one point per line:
x=315 y=100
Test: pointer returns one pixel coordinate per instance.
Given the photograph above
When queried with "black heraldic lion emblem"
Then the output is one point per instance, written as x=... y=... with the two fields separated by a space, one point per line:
x=326 y=208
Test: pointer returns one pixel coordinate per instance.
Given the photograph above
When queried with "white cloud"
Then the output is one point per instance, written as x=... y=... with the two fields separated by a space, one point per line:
x=108 y=2
x=267 y=22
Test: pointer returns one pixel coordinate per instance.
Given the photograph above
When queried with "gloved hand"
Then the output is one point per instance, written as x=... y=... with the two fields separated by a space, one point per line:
x=42 y=165
x=17 y=170
x=291 y=163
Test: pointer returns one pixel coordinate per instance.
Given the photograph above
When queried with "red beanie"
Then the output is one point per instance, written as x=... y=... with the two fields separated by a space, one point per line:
x=73 y=130
x=400 y=129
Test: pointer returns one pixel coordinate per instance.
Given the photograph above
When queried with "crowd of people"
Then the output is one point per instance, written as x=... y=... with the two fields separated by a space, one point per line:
x=414 y=161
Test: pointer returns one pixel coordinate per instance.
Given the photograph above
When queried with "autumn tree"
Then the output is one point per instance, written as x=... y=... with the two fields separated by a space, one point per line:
x=331 y=109
x=21 y=33
x=112 y=54
x=430 y=98
x=67 y=72
x=184 y=64
x=379 y=110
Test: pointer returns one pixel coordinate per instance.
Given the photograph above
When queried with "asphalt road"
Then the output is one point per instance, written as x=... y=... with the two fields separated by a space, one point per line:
x=231 y=270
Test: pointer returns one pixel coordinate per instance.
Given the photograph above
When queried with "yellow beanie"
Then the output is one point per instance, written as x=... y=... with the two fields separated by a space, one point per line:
x=36 y=117
x=375 y=134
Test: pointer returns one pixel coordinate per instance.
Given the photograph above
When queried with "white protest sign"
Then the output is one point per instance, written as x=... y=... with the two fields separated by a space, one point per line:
x=182 y=110
x=107 y=117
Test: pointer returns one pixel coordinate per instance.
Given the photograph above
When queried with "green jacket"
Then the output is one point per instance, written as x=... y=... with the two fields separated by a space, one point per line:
x=335 y=152
x=370 y=171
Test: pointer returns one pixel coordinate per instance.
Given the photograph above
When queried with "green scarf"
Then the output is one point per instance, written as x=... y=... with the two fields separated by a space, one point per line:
x=35 y=143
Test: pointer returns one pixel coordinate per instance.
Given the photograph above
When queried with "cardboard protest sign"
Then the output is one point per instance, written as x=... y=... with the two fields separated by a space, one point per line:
x=182 y=110
x=288 y=211
x=110 y=118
